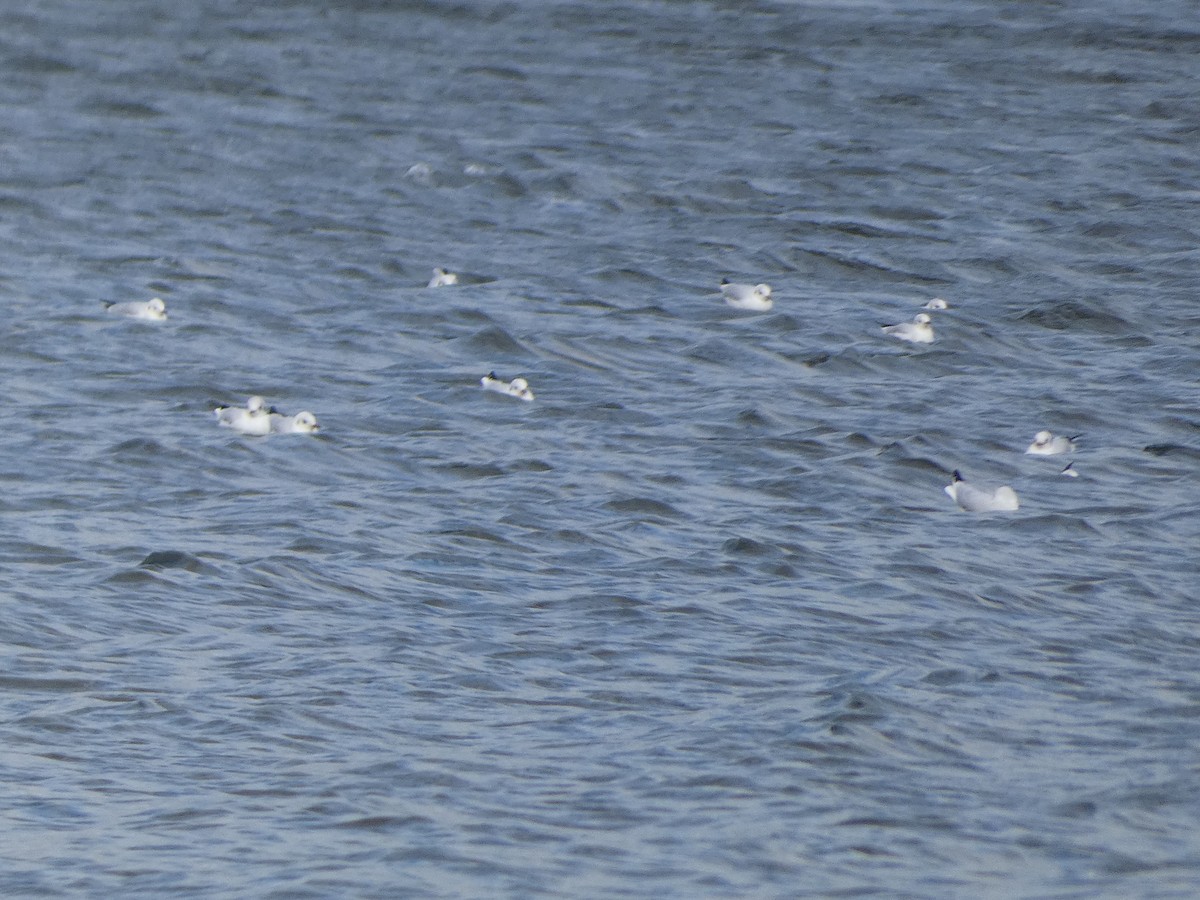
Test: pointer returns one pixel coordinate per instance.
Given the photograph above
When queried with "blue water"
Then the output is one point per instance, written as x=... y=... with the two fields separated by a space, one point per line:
x=700 y=620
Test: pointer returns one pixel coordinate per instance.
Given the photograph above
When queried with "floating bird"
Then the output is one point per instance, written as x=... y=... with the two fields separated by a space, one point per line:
x=918 y=331
x=1047 y=444
x=518 y=387
x=254 y=418
x=441 y=278
x=153 y=310
x=936 y=303
x=1070 y=471
x=973 y=499
x=753 y=297
x=301 y=423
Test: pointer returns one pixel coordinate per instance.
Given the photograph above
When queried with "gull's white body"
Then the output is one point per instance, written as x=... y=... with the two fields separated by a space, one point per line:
x=152 y=310
x=301 y=423
x=753 y=297
x=442 y=278
x=1047 y=444
x=518 y=387
x=974 y=499
x=918 y=331
x=254 y=418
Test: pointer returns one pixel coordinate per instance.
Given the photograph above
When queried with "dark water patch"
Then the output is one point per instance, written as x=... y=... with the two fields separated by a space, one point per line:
x=495 y=341
x=472 y=470
x=1071 y=314
x=38 y=64
x=49 y=685
x=643 y=506
x=1174 y=450
x=172 y=559
x=120 y=109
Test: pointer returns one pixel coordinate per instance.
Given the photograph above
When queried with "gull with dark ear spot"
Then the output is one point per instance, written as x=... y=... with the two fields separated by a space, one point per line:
x=751 y=297
x=976 y=499
x=301 y=423
x=936 y=303
x=1048 y=444
x=518 y=387
x=152 y=310
x=918 y=331
x=441 y=278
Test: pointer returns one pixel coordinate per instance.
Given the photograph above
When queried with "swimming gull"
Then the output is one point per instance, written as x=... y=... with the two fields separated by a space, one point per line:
x=975 y=499
x=918 y=331
x=1047 y=444
x=518 y=387
x=152 y=310
x=253 y=418
x=441 y=278
x=752 y=297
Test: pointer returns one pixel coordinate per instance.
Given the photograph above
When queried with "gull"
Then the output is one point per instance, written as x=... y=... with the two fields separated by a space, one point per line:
x=974 y=499
x=518 y=387
x=753 y=297
x=918 y=331
x=301 y=423
x=441 y=278
x=936 y=303
x=254 y=418
x=1047 y=444
x=153 y=310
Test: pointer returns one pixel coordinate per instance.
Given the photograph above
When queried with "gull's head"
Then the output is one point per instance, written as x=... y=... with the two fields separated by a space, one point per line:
x=519 y=384
x=305 y=421
x=937 y=303
x=1042 y=437
x=156 y=306
x=763 y=290
x=922 y=319
x=255 y=404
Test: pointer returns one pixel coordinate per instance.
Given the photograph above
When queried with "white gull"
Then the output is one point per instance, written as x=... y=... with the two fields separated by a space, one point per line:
x=152 y=310
x=918 y=331
x=974 y=499
x=752 y=297
x=518 y=387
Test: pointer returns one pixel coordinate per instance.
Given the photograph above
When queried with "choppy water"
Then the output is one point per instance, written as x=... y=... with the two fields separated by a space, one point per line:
x=700 y=621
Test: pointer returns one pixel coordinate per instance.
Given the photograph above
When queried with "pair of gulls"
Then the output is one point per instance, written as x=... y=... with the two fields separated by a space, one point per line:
x=757 y=298
x=1004 y=499
x=258 y=419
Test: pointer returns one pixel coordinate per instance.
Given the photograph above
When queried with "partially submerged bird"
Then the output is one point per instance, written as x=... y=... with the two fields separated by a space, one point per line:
x=441 y=278
x=1047 y=444
x=936 y=303
x=153 y=310
x=918 y=331
x=518 y=387
x=753 y=297
x=974 y=499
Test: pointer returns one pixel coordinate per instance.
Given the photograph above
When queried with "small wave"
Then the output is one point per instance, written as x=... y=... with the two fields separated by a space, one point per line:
x=1071 y=314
